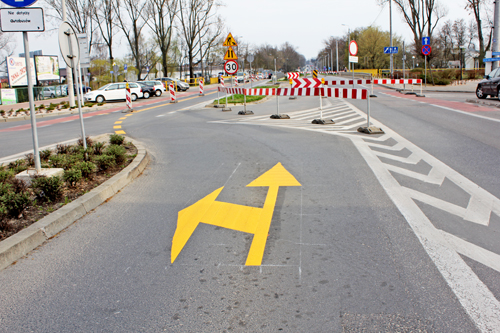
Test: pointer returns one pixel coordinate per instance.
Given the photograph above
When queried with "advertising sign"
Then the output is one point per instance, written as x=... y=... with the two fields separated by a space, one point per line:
x=16 y=67
x=47 y=68
x=8 y=96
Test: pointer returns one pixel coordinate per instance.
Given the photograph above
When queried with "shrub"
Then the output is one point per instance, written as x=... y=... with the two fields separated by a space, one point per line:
x=87 y=168
x=63 y=149
x=117 y=151
x=57 y=161
x=45 y=154
x=116 y=139
x=18 y=185
x=441 y=82
x=89 y=142
x=30 y=159
x=98 y=148
x=47 y=188
x=5 y=175
x=4 y=188
x=104 y=162
x=72 y=176
x=15 y=202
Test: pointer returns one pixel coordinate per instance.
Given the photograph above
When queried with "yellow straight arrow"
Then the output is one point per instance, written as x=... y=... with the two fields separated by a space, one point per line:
x=253 y=220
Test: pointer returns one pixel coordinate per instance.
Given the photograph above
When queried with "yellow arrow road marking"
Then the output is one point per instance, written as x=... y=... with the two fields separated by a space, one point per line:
x=253 y=220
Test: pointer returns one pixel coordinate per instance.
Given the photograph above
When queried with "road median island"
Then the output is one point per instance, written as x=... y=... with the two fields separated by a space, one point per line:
x=238 y=99
x=21 y=243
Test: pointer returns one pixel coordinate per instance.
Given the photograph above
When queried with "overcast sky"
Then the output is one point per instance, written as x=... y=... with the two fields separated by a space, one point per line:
x=303 y=23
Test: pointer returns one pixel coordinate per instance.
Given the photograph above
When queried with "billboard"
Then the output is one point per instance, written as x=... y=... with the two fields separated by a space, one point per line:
x=16 y=68
x=47 y=68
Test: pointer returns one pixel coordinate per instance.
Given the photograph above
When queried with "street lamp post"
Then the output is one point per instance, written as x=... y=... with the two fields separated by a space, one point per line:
x=349 y=33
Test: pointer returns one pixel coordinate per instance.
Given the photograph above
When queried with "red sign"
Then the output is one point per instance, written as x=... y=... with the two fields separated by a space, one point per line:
x=426 y=50
x=231 y=67
x=353 y=48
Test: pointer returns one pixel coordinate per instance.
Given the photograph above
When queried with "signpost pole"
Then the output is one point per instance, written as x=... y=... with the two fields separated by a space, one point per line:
x=425 y=75
x=75 y=71
x=31 y=102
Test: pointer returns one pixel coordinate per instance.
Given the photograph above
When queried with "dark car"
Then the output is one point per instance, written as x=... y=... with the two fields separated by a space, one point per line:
x=489 y=85
x=177 y=83
x=147 y=90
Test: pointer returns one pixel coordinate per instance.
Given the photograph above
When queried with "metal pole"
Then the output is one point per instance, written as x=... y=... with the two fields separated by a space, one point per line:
x=75 y=70
x=368 y=113
x=275 y=72
x=31 y=103
x=337 y=46
x=390 y=36
x=277 y=103
x=69 y=74
x=404 y=64
x=496 y=34
x=425 y=75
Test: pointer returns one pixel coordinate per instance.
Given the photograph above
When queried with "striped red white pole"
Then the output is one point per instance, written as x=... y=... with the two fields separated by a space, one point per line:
x=172 y=93
x=128 y=97
x=200 y=82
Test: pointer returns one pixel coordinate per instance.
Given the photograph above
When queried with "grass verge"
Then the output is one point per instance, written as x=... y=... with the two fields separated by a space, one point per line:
x=238 y=98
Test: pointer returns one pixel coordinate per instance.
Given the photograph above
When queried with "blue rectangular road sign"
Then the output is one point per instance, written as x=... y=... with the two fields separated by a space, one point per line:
x=426 y=41
x=491 y=59
x=389 y=50
x=495 y=53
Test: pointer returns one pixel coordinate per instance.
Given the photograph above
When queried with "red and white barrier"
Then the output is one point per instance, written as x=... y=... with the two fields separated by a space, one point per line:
x=329 y=92
x=222 y=82
x=128 y=97
x=171 y=90
x=200 y=82
x=293 y=75
x=235 y=78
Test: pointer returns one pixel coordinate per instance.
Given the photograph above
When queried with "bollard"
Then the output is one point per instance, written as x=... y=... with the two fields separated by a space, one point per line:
x=172 y=93
x=200 y=82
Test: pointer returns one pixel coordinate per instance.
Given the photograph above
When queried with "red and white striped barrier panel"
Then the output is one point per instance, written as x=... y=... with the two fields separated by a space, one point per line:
x=221 y=82
x=128 y=98
x=323 y=91
x=293 y=75
x=200 y=82
x=235 y=78
x=240 y=91
x=171 y=90
x=398 y=81
x=306 y=83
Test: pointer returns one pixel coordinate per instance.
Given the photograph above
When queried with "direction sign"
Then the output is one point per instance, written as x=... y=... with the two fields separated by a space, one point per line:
x=19 y=3
x=491 y=59
x=230 y=41
x=231 y=67
x=27 y=19
x=230 y=54
x=389 y=49
x=426 y=50
x=426 y=41
x=68 y=44
x=353 y=48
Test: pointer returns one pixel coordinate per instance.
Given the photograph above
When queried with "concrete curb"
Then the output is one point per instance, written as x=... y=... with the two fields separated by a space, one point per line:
x=482 y=102
x=23 y=242
x=425 y=90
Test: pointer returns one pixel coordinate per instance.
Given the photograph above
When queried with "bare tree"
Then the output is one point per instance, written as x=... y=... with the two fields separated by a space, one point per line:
x=6 y=48
x=475 y=7
x=422 y=16
x=162 y=14
x=195 y=17
x=104 y=16
x=132 y=29
x=79 y=15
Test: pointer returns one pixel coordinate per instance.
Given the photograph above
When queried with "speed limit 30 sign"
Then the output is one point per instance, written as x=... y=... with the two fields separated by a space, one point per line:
x=231 y=67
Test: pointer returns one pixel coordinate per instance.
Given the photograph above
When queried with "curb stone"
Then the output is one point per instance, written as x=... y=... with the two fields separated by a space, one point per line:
x=23 y=242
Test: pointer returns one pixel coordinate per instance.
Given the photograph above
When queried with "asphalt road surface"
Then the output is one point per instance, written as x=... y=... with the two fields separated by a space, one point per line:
x=251 y=224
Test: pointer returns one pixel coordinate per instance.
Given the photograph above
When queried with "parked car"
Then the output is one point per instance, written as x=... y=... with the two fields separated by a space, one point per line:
x=147 y=91
x=48 y=92
x=114 y=91
x=181 y=85
x=489 y=85
x=158 y=85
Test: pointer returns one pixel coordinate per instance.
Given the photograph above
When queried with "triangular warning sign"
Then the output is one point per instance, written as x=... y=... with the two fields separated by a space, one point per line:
x=230 y=41
x=230 y=54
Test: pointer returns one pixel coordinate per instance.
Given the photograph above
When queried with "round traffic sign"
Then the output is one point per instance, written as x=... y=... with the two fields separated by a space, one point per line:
x=426 y=50
x=231 y=67
x=19 y=3
x=250 y=58
x=353 y=48
x=68 y=44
